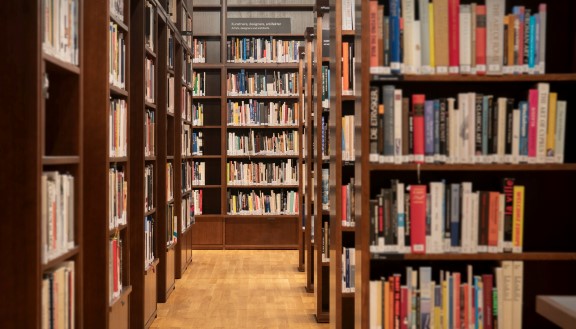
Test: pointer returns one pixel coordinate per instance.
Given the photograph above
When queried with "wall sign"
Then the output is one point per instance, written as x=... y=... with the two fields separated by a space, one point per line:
x=247 y=26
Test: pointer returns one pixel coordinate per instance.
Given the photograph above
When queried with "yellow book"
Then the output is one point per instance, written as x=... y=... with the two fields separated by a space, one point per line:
x=551 y=130
x=431 y=33
x=387 y=305
x=250 y=204
x=518 y=219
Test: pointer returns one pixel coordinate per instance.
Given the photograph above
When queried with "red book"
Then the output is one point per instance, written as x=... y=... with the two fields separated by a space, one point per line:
x=343 y=202
x=404 y=307
x=487 y=284
x=396 y=301
x=200 y=202
x=418 y=218
x=373 y=17
x=466 y=289
x=418 y=118
x=115 y=264
x=532 y=122
x=456 y=310
x=480 y=39
x=454 y=35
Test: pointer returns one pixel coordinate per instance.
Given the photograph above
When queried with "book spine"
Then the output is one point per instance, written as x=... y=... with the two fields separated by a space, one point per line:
x=374 y=95
x=518 y=219
x=480 y=39
x=533 y=125
x=494 y=35
x=398 y=128
x=560 y=131
x=395 y=59
x=425 y=36
x=542 y=15
x=388 y=100
x=453 y=36
x=551 y=127
x=543 y=100
x=418 y=218
x=418 y=124
x=465 y=47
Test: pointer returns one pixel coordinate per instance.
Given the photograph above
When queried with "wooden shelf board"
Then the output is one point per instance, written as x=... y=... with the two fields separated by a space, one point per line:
x=120 y=22
x=56 y=261
x=172 y=246
x=206 y=127
x=326 y=263
x=126 y=290
x=170 y=114
x=207 y=35
x=150 y=158
x=288 y=156
x=262 y=216
x=60 y=64
x=207 y=7
x=473 y=167
x=150 y=52
x=348 y=229
x=270 y=7
x=151 y=266
x=207 y=216
x=262 y=66
x=286 y=127
x=348 y=97
x=292 y=35
x=119 y=228
x=169 y=157
x=118 y=91
x=551 y=77
x=206 y=97
x=348 y=295
x=206 y=66
x=117 y=159
x=323 y=317
x=206 y=157
x=170 y=201
x=60 y=160
x=263 y=97
x=205 y=186
x=171 y=71
x=262 y=247
x=150 y=105
x=262 y=186
x=348 y=32
x=527 y=256
x=150 y=212
x=186 y=157
x=325 y=59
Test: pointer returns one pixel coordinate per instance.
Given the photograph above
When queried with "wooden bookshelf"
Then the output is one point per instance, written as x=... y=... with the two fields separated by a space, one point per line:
x=215 y=228
x=322 y=288
x=147 y=27
x=548 y=253
x=341 y=104
x=105 y=310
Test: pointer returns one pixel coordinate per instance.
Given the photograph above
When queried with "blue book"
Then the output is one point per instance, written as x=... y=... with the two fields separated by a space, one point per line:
x=523 y=105
x=436 y=105
x=532 y=42
x=395 y=59
x=455 y=215
x=429 y=128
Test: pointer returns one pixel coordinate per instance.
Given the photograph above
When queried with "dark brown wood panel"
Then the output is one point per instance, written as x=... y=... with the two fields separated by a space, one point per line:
x=262 y=231
x=208 y=231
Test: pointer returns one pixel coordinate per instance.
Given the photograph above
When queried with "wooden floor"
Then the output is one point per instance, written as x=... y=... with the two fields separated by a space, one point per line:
x=240 y=289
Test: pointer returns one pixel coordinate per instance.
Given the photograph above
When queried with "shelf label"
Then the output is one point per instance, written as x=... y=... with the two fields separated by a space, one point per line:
x=250 y=26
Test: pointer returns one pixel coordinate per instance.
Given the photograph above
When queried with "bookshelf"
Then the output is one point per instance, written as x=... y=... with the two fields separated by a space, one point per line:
x=38 y=146
x=216 y=227
x=308 y=158
x=342 y=166
x=321 y=112
x=548 y=254
x=302 y=231
x=107 y=212
x=145 y=59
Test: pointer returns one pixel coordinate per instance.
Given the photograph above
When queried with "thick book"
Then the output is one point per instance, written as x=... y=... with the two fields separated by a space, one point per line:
x=418 y=124
x=441 y=36
x=374 y=95
x=418 y=218
x=518 y=218
x=453 y=36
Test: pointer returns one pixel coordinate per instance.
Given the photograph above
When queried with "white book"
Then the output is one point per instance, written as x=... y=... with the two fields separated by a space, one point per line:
x=499 y=277
x=398 y=126
x=417 y=53
x=424 y=36
x=507 y=294
x=471 y=126
x=408 y=42
x=560 y=131
x=542 y=123
x=502 y=104
x=465 y=28
x=494 y=36
x=517 y=293
x=465 y=222
x=452 y=132
x=475 y=201
x=374 y=309
x=437 y=233
x=459 y=120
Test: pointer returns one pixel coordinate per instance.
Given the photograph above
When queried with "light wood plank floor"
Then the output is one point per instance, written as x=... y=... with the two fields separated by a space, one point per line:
x=257 y=289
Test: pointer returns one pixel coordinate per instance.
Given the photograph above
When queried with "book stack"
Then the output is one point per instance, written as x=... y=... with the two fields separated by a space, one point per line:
x=197 y=143
x=185 y=136
x=118 y=119
x=263 y=143
x=253 y=112
x=148 y=241
x=149 y=129
x=60 y=29
x=198 y=83
x=169 y=181
x=198 y=173
x=348 y=204
x=276 y=83
x=115 y=260
x=263 y=203
x=197 y=201
x=262 y=173
x=171 y=226
x=199 y=51
x=58 y=297
x=118 y=194
x=117 y=56
x=348 y=269
x=262 y=50
x=148 y=187
x=57 y=192
x=197 y=114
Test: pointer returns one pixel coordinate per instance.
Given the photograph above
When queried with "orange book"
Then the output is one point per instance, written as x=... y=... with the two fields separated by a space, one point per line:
x=373 y=20
x=387 y=306
x=493 y=202
x=345 y=67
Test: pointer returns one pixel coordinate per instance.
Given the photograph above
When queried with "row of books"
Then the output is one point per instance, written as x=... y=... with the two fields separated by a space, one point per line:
x=325 y=241
x=186 y=140
x=57 y=194
x=468 y=128
x=348 y=204
x=149 y=133
x=149 y=25
x=197 y=201
x=186 y=176
x=263 y=143
x=348 y=68
x=262 y=50
x=186 y=213
x=198 y=83
x=117 y=197
x=454 y=300
x=117 y=8
x=187 y=77
x=150 y=80
x=170 y=96
x=198 y=173
x=60 y=29
x=115 y=267
x=169 y=181
x=325 y=189
x=197 y=114
x=268 y=202
x=325 y=136
x=199 y=48
x=59 y=297
x=419 y=37
x=348 y=269
x=170 y=60
x=148 y=241
x=149 y=187
x=325 y=87
x=171 y=226
x=186 y=26
x=348 y=15
x=449 y=218
x=117 y=56
x=197 y=143
x=275 y=83
x=118 y=123
x=262 y=173
x=253 y=112
x=348 y=136
x=186 y=104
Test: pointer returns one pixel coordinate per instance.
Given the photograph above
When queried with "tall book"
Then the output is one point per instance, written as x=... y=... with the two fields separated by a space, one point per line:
x=418 y=218
x=495 y=36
